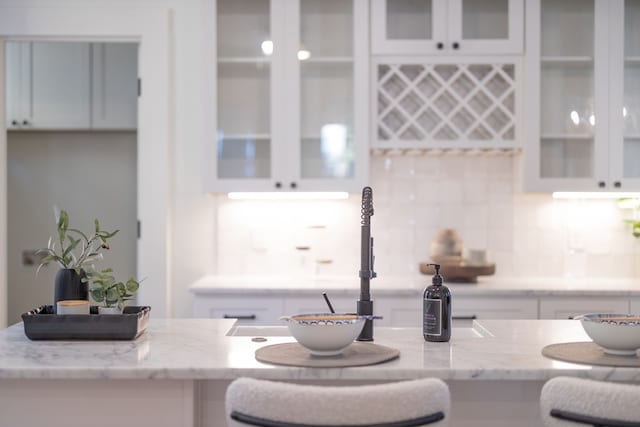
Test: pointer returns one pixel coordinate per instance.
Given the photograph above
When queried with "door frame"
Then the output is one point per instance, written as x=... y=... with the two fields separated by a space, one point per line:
x=150 y=25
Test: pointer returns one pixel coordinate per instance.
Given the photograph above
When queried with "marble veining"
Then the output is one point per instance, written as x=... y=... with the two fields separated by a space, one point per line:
x=201 y=349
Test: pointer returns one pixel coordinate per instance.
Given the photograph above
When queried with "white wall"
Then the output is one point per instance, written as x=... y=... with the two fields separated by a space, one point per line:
x=90 y=175
x=414 y=197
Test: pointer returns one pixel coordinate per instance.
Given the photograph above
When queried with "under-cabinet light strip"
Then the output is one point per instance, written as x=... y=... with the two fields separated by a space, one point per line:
x=289 y=195
x=593 y=195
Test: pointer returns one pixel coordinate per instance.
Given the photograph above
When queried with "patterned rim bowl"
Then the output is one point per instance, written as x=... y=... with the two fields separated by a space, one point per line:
x=325 y=334
x=617 y=334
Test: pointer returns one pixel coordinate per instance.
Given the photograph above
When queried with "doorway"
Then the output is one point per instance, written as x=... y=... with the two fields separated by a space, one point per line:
x=71 y=117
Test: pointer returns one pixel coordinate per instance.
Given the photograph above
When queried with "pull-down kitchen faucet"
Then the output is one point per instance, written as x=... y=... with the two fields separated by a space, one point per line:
x=365 y=304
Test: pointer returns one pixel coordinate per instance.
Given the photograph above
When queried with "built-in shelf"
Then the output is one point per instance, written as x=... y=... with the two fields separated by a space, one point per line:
x=632 y=136
x=329 y=60
x=244 y=60
x=632 y=59
x=566 y=136
x=244 y=137
x=567 y=59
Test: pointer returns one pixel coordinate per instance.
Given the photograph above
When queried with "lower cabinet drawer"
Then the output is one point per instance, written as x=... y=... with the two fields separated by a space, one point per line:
x=568 y=307
x=249 y=310
x=317 y=304
x=466 y=309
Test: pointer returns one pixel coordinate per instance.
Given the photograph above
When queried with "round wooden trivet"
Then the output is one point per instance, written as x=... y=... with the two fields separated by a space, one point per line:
x=357 y=354
x=588 y=353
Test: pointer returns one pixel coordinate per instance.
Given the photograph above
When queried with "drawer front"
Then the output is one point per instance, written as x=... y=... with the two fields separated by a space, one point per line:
x=566 y=308
x=252 y=309
x=469 y=308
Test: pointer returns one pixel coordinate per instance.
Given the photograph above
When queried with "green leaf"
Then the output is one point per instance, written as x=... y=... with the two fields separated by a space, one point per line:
x=97 y=294
x=84 y=236
x=112 y=295
x=122 y=290
x=132 y=285
x=97 y=224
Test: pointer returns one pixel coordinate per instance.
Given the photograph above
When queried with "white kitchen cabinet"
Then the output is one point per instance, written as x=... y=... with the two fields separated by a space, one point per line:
x=71 y=85
x=427 y=27
x=292 y=96
x=634 y=306
x=583 y=92
x=569 y=307
x=114 y=89
x=248 y=309
x=464 y=310
x=48 y=85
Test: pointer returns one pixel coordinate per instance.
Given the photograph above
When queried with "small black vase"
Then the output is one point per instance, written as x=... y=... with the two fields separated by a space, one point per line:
x=69 y=285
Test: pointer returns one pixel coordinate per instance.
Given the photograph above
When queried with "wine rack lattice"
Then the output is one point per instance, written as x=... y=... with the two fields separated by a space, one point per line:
x=445 y=102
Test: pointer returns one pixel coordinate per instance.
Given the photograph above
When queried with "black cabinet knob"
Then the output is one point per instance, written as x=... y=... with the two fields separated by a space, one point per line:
x=293 y=185
x=440 y=45
x=617 y=184
x=25 y=122
x=14 y=122
x=278 y=184
x=455 y=45
x=601 y=184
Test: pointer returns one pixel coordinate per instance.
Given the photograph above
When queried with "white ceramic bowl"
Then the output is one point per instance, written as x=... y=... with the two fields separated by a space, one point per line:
x=617 y=334
x=325 y=334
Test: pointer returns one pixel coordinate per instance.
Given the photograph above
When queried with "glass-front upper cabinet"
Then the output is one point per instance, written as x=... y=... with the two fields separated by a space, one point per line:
x=292 y=95
x=626 y=164
x=583 y=94
x=447 y=26
x=244 y=70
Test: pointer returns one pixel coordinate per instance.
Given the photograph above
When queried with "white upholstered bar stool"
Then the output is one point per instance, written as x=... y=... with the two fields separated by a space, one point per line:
x=572 y=402
x=252 y=402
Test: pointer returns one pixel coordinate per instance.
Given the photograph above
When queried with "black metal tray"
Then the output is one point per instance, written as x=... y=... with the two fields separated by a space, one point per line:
x=43 y=324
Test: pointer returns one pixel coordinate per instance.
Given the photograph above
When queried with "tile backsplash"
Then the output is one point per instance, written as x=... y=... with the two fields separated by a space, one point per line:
x=415 y=196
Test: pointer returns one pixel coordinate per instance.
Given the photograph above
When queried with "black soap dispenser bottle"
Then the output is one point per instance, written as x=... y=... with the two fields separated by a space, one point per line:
x=436 y=316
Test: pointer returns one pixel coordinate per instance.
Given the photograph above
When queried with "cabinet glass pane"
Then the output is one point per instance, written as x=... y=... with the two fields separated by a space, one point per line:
x=567 y=28
x=631 y=106
x=326 y=98
x=485 y=19
x=632 y=28
x=242 y=27
x=244 y=49
x=326 y=28
x=566 y=99
x=566 y=158
x=409 y=19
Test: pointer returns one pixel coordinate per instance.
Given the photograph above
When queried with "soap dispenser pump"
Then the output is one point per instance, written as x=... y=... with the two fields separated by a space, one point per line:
x=436 y=316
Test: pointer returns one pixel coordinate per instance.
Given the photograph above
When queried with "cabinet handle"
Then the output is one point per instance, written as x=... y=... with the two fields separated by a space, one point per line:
x=455 y=45
x=293 y=185
x=14 y=122
x=240 y=316
x=278 y=184
x=25 y=122
x=471 y=317
x=601 y=184
x=440 y=45
x=617 y=184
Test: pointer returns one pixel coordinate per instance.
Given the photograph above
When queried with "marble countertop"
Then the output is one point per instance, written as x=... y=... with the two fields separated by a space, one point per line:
x=414 y=285
x=201 y=349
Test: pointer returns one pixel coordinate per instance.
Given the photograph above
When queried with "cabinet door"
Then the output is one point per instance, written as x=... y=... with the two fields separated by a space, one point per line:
x=328 y=100
x=624 y=93
x=115 y=85
x=60 y=85
x=247 y=71
x=447 y=27
x=17 y=83
x=567 y=99
x=567 y=308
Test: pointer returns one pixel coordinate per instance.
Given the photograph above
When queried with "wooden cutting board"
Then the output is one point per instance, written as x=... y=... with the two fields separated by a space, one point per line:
x=460 y=272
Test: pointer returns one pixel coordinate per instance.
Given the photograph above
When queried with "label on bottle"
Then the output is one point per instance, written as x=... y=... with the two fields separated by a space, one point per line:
x=432 y=317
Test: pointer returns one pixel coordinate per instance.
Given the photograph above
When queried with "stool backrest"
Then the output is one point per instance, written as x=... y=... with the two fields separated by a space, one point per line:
x=400 y=404
x=571 y=402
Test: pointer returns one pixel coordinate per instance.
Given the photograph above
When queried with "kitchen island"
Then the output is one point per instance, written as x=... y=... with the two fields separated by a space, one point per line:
x=177 y=371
